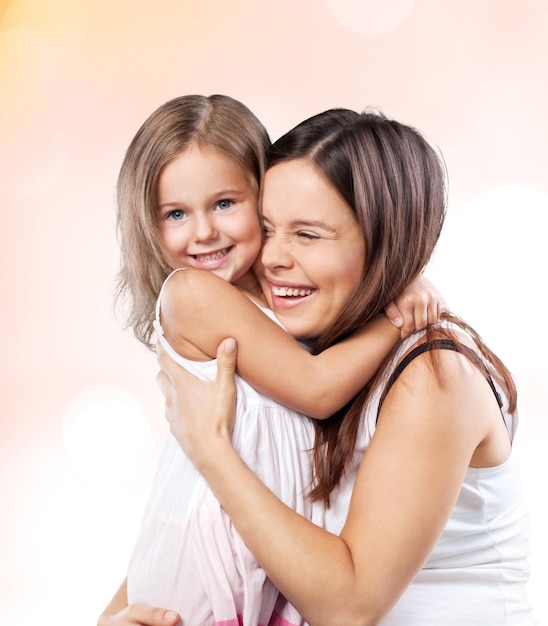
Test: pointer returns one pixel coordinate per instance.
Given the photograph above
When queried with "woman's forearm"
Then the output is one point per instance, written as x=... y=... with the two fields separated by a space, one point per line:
x=403 y=494
x=302 y=559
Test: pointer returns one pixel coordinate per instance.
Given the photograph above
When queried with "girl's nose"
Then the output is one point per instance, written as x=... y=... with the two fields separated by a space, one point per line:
x=205 y=229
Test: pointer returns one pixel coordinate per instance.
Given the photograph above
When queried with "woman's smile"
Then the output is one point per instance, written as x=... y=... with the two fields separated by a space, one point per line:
x=313 y=253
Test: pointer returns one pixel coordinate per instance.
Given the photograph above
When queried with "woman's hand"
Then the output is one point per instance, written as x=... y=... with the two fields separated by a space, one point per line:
x=139 y=615
x=118 y=613
x=200 y=413
x=419 y=304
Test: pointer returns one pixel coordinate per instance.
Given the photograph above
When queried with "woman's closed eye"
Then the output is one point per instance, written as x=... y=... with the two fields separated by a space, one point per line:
x=306 y=234
x=303 y=234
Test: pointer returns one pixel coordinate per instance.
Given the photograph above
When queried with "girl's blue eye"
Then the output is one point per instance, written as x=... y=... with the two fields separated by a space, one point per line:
x=177 y=215
x=224 y=204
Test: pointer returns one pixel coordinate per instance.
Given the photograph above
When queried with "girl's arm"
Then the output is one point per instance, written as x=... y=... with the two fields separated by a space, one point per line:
x=118 y=613
x=405 y=490
x=199 y=309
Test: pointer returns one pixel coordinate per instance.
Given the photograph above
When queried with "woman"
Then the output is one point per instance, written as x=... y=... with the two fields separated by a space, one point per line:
x=435 y=530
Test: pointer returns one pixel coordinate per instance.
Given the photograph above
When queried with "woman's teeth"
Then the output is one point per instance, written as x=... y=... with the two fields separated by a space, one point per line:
x=288 y=291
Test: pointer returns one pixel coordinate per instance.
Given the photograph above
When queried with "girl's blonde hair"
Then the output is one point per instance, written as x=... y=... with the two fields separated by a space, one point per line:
x=218 y=121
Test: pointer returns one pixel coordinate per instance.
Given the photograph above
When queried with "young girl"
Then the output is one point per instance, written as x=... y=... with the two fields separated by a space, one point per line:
x=188 y=192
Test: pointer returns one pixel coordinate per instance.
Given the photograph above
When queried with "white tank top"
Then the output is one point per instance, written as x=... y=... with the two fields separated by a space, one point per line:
x=478 y=570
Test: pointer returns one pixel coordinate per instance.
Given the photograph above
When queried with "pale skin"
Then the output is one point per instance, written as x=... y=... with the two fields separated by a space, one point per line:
x=430 y=430
x=316 y=385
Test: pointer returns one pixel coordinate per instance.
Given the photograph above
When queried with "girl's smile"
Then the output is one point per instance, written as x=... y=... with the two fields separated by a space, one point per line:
x=207 y=213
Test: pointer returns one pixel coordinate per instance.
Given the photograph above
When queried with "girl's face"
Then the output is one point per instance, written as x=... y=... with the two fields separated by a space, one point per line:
x=314 y=251
x=207 y=214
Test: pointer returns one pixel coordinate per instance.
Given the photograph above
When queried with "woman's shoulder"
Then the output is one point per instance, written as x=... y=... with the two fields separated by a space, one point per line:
x=440 y=364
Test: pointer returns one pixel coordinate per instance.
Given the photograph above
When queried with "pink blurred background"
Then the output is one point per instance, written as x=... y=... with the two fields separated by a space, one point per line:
x=82 y=419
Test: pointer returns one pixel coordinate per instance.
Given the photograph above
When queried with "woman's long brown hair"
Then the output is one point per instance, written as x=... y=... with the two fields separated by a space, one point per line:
x=394 y=182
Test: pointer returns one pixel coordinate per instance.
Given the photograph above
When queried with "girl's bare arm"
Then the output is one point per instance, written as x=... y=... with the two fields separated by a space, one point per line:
x=199 y=309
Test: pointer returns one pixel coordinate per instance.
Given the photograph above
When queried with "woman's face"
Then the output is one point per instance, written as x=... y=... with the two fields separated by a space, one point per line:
x=314 y=252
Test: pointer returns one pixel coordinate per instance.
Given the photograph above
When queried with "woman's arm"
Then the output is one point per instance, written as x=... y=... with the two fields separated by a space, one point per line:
x=405 y=490
x=118 y=613
x=199 y=309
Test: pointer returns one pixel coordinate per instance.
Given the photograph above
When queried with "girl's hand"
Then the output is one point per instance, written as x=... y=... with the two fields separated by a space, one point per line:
x=140 y=615
x=200 y=413
x=420 y=304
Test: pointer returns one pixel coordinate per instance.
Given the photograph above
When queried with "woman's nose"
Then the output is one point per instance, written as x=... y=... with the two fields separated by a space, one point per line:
x=276 y=253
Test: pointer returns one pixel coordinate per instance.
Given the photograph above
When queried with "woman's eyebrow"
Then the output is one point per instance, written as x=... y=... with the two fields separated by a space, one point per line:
x=305 y=223
x=313 y=224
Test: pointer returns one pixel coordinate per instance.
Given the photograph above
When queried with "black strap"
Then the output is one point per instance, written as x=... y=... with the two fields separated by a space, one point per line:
x=438 y=344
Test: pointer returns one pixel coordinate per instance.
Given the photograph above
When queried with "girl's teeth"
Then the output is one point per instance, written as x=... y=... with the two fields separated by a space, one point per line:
x=291 y=292
x=211 y=257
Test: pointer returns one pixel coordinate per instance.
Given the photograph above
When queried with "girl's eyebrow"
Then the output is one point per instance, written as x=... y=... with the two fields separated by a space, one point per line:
x=215 y=195
x=229 y=192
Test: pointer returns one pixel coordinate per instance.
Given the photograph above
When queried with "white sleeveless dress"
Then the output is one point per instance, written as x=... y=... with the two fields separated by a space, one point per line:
x=188 y=556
